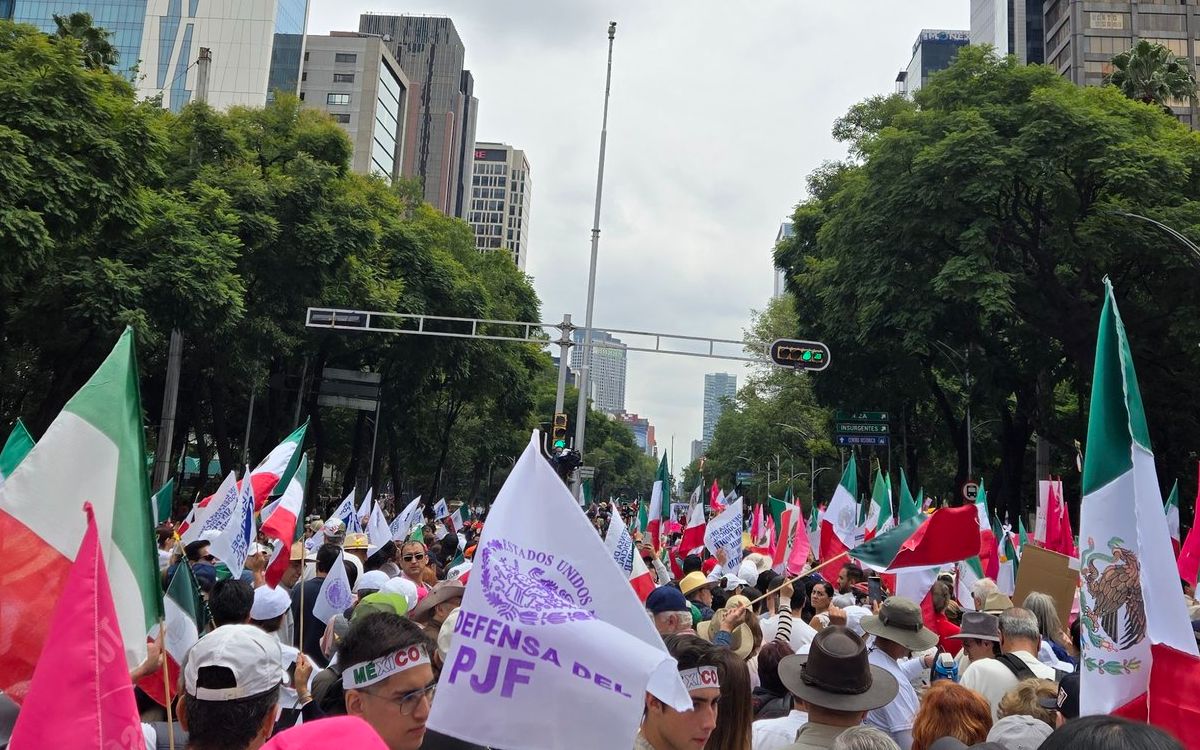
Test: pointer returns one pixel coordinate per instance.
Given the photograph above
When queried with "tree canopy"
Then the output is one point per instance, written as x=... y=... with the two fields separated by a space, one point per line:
x=967 y=235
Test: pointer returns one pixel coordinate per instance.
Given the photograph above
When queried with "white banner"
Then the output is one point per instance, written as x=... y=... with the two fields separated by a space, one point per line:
x=402 y=525
x=232 y=545
x=725 y=532
x=619 y=541
x=335 y=595
x=552 y=648
x=440 y=509
x=201 y=522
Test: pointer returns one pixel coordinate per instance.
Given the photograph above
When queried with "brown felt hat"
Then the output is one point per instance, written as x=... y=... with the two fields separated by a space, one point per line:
x=836 y=674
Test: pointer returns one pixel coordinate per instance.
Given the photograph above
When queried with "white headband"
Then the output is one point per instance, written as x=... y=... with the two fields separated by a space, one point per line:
x=370 y=672
x=699 y=678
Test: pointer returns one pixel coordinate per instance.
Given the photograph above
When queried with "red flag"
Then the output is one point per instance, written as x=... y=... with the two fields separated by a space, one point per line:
x=1170 y=702
x=1059 y=536
x=693 y=535
x=1189 y=557
x=81 y=696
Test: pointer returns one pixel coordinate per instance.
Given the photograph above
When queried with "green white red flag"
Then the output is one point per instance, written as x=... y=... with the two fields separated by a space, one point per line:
x=93 y=451
x=81 y=696
x=1126 y=561
x=1172 y=510
x=186 y=618
x=284 y=524
x=619 y=542
x=878 y=517
x=948 y=535
x=839 y=527
x=16 y=447
x=660 y=505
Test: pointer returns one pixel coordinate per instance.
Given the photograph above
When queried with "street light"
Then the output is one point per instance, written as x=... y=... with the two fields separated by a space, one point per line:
x=812 y=482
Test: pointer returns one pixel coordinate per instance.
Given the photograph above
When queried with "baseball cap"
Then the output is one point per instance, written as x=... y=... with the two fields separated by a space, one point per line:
x=1068 y=696
x=252 y=655
x=372 y=580
x=666 y=599
x=269 y=603
x=1019 y=732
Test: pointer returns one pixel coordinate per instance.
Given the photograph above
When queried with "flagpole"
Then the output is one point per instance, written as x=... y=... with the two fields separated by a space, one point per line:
x=162 y=639
x=792 y=580
x=303 y=569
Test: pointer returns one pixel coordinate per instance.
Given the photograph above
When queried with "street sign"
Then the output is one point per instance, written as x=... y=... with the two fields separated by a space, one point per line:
x=860 y=416
x=800 y=355
x=862 y=439
x=861 y=428
x=743 y=477
x=970 y=492
x=318 y=317
x=349 y=389
x=587 y=472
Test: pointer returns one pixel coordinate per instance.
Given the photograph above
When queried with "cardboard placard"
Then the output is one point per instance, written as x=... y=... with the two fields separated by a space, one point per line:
x=1050 y=573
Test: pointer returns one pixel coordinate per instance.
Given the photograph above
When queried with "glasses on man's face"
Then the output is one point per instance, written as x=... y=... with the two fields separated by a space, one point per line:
x=209 y=558
x=409 y=701
x=413 y=557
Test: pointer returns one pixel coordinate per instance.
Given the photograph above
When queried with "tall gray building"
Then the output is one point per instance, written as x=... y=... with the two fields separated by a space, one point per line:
x=1082 y=37
x=1013 y=27
x=500 y=192
x=785 y=231
x=606 y=377
x=354 y=78
x=934 y=50
x=431 y=53
x=718 y=386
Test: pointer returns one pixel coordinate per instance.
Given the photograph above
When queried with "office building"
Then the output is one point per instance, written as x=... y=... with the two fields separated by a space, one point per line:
x=499 y=209
x=431 y=53
x=356 y=80
x=606 y=376
x=719 y=389
x=1013 y=27
x=1082 y=38
x=643 y=432
x=255 y=44
x=785 y=231
x=697 y=449
x=123 y=19
x=554 y=360
x=934 y=50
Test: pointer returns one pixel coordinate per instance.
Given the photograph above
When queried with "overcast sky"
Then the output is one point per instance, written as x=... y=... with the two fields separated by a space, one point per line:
x=719 y=110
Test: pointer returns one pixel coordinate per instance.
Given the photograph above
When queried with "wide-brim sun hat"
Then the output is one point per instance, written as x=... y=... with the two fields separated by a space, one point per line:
x=900 y=620
x=836 y=674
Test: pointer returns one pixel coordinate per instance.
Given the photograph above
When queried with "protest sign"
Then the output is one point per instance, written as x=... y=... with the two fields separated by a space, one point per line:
x=1050 y=573
x=725 y=533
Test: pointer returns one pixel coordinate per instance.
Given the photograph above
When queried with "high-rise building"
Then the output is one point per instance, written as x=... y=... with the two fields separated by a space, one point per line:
x=643 y=432
x=697 y=449
x=1013 y=27
x=719 y=388
x=355 y=79
x=432 y=55
x=124 y=19
x=1082 y=38
x=499 y=210
x=934 y=50
x=785 y=231
x=606 y=375
x=254 y=44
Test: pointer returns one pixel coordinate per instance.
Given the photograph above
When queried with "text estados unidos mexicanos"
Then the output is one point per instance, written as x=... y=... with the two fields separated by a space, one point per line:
x=503 y=674
x=582 y=593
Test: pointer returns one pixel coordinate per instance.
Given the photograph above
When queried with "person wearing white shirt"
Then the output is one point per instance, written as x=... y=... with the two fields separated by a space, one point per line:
x=776 y=734
x=1019 y=642
x=899 y=630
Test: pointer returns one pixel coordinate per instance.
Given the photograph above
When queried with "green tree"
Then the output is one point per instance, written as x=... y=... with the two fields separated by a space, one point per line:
x=98 y=52
x=970 y=232
x=1152 y=74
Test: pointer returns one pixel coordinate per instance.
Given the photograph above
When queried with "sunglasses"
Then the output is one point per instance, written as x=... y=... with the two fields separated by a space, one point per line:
x=209 y=558
x=414 y=557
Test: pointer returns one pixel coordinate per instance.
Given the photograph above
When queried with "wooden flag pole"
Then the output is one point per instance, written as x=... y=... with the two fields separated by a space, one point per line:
x=798 y=577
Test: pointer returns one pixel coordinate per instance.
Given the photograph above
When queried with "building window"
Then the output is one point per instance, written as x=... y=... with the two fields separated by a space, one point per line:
x=1159 y=21
x=305 y=57
x=345 y=57
x=337 y=98
x=1107 y=45
x=1177 y=46
x=301 y=96
x=342 y=117
x=343 y=78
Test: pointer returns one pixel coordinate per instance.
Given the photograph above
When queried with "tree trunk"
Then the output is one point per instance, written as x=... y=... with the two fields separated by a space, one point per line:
x=225 y=453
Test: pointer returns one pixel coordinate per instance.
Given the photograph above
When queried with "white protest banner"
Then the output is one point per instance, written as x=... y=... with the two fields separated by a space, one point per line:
x=232 y=545
x=552 y=648
x=335 y=595
x=725 y=532
x=402 y=525
x=441 y=509
x=619 y=542
x=207 y=521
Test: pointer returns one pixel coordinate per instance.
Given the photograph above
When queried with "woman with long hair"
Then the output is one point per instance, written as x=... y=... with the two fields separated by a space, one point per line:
x=820 y=598
x=735 y=712
x=1054 y=639
x=771 y=699
x=951 y=710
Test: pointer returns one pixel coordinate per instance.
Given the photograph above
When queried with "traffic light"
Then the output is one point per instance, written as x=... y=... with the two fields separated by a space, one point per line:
x=799 y=355
x=558 y=436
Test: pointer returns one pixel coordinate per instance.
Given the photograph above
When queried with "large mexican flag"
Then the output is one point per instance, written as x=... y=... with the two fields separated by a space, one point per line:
x=93 y=451
x=1126 y=563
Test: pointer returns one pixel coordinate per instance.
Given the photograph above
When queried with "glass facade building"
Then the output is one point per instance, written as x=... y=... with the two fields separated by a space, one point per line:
x=287 y=46
x=934 y=50
x=124 y=19
x=606 y=380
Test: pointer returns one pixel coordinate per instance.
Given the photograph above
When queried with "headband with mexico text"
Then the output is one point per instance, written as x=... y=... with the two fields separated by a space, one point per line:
x=699 y=678
x=370 y=672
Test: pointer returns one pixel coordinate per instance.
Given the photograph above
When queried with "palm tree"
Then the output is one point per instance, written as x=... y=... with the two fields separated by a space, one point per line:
x=1151 y=73
x=98 y=51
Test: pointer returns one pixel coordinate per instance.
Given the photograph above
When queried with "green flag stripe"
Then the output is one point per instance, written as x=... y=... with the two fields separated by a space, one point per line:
x=18 y=445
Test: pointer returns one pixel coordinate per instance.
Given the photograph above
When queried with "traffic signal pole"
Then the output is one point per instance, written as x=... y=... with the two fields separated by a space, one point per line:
x=564 y=348
x=586 y=358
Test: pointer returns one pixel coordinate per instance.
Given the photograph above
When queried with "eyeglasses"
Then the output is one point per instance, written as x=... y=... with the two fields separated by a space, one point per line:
x=409 y=701
x=411 y=558
x=209 y=558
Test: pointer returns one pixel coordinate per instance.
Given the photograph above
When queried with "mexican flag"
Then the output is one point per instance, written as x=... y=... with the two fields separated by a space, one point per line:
x=693 y=536
x=18 y=445
x=1173 y=517
x=1126 y=562
x=162 y=501
x=660 y=504
x=839 y=527
x=948 y=535
x=989 y=552
x=878 y=517
x=814 y=529
x=908 y=508
x=285 y=524
x=459 y=518
x=784 y=517
x=620 y=544
x=801 y=544
x=94 y=451
x=186 y=619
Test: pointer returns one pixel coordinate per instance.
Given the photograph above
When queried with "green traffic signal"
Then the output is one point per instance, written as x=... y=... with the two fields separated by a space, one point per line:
x=560 y=443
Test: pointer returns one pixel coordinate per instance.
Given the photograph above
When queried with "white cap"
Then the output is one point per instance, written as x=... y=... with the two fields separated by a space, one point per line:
x=372 y=580
x=732 y=582
x=253 y=656
x=446 y=632
x=403 y=587
x=747 y=571
x=269 y=603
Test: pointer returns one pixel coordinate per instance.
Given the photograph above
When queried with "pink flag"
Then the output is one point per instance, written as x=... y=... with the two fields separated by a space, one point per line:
x=714 y=496
x=756 y=524
x=800 y=545
x=1059 y=536
x=81 y=696
x=769 y=530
